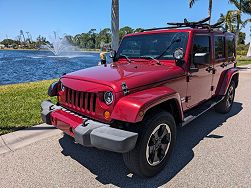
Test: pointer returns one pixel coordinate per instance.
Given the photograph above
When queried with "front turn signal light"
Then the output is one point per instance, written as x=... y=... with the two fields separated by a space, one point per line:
x=107 y=115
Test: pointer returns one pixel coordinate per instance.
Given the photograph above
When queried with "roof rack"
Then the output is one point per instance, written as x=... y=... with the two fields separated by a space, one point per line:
x=200 y=24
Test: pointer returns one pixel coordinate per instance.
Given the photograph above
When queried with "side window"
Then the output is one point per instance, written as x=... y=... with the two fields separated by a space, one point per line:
x=219 y=46
x=201 y=50
x=230 y=46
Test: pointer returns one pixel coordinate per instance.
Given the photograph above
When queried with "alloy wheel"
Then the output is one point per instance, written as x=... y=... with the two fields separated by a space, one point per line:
x=158 y=144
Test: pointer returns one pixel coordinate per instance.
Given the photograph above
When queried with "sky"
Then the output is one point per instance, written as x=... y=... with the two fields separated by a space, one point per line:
x=77 y=16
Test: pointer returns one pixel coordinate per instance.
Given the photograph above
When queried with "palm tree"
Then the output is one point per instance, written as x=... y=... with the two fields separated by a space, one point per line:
x=210 y=7
x=243 y=6
x=115 y=24
x=22 y=34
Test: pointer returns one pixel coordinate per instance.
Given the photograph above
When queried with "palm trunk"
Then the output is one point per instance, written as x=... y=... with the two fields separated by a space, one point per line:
x=237 y=33
x=210 y=10
x=115 y=24
x=238 y=25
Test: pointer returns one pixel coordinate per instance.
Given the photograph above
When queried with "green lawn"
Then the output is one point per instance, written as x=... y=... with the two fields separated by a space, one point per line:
x=20 y=105
x=242 y=60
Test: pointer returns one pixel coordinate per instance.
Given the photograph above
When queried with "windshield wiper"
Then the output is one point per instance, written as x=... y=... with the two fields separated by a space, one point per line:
x=125 y=56
x=150 y=57
x=168 y=47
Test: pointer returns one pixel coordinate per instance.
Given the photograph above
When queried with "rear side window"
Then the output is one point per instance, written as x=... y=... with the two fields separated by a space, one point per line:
x=219 y=45
x=230 y=46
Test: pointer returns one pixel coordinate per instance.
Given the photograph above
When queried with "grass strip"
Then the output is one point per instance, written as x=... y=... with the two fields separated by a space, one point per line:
x=20 y=105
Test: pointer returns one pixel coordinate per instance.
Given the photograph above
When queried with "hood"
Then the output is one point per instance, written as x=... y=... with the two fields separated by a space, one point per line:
x=135 y=74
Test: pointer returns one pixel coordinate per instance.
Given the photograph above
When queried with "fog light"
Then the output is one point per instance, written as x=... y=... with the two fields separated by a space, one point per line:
x=107 y=115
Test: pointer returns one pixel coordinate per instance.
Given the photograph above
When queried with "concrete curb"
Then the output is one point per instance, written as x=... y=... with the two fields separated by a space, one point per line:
x=12 y=141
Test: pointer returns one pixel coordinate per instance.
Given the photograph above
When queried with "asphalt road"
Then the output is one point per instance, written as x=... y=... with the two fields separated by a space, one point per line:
x=213 y=151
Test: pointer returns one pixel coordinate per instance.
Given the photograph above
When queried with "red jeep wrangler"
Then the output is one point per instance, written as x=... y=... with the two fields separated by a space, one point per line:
x=159 y=79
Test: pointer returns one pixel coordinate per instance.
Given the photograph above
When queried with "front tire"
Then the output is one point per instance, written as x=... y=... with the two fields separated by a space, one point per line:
x=226 y=104
x=154 y=145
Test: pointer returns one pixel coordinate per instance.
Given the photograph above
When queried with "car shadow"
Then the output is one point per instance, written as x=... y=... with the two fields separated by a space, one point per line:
x=110 y=169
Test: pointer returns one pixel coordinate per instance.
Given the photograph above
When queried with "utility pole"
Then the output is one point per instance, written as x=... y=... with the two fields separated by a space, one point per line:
x=115 y=24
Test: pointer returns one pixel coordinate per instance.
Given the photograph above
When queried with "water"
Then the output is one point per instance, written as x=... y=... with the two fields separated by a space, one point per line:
x=27 y=66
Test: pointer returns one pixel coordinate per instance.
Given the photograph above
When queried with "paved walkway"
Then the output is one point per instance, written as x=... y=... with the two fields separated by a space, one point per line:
x=213 y=151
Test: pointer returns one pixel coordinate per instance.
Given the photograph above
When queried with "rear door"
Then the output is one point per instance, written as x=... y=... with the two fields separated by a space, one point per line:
x=224 y=56
x=200 y=75
x=220 y=60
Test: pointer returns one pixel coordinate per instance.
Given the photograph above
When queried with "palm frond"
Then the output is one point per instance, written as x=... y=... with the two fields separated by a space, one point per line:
x=191 y=3
x=244 y=23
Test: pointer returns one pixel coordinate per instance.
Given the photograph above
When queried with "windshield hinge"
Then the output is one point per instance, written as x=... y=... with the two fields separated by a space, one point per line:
x=125 y=88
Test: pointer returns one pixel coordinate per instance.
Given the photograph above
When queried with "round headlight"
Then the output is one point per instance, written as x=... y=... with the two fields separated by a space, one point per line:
x=108 y=97
x=178 y=54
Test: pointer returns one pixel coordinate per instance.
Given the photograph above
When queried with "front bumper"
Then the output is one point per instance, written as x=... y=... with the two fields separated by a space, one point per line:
x=88 y=132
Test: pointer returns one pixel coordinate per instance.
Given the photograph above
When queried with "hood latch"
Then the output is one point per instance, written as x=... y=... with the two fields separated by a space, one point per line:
x=125 y=88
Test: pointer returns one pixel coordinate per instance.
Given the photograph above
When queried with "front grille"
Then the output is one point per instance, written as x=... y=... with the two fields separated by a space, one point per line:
x=78 y=100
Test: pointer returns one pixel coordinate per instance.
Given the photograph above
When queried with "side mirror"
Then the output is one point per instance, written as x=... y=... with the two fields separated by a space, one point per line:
x=201 y=58
x=113 y=54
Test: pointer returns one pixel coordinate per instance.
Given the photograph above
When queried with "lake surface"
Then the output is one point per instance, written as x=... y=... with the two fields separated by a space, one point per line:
x=18 y=66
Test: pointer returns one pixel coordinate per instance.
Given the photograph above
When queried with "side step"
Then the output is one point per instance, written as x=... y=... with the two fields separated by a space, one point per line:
x=199 y=110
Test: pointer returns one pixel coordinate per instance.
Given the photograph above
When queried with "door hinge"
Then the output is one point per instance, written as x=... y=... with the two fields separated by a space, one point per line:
x=188 y=78
x=212 y=88
x=187 y=98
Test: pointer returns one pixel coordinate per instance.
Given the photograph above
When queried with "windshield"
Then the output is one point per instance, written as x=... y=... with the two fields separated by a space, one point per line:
x=152 y=45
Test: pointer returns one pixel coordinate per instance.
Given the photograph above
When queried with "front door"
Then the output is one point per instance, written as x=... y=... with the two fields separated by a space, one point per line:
x=201 y=71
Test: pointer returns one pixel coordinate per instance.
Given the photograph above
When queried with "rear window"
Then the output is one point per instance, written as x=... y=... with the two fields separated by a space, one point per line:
x=230 y=46
x=219 y=45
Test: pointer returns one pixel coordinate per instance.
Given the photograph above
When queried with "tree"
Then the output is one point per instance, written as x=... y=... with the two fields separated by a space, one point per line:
x=210 y=7
x=105 y=35
x=138 y=30
x=22 y=34
x=228 y=22
x=124 y=31
x=92 y=38
x=243 y=6
x=7 y=42
x=242 y=38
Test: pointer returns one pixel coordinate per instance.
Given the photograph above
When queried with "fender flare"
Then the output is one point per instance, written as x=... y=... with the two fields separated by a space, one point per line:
x=225 y=80
x=133 y=107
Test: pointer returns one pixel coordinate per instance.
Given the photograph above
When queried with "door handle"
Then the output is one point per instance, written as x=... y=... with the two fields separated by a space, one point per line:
x=223 y=65
x=211 y=69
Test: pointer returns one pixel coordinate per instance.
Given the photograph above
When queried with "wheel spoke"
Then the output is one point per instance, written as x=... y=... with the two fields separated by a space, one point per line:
x=160 y=154
x=156 y=158
x=166 y=139
x=151 y=156
x=151 y=141
x=161 y=131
